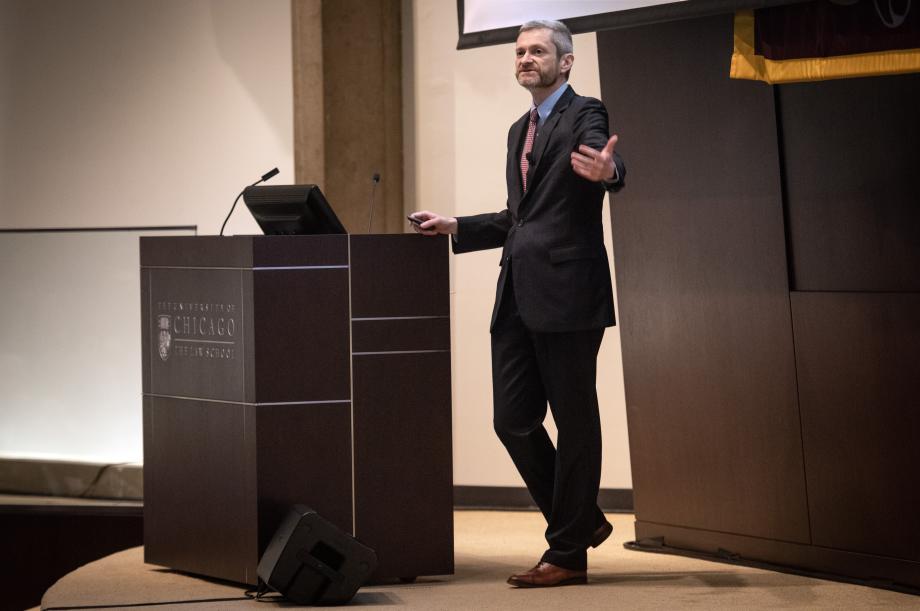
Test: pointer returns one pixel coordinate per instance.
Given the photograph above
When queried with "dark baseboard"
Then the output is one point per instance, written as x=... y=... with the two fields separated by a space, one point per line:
x=615 y=500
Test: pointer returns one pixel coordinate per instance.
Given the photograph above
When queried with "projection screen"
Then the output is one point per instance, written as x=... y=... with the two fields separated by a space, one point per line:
x=490 y=22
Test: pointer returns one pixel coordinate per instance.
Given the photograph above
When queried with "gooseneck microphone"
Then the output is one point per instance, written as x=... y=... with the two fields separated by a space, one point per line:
x=376 y=179
x=266 y=176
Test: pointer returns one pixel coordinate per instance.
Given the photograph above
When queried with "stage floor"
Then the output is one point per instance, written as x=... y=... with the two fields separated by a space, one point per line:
x=490 y=545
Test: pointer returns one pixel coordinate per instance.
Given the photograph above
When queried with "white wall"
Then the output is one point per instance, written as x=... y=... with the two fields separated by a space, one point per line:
x=146 y=112
x=458 y=110
x=119 y=113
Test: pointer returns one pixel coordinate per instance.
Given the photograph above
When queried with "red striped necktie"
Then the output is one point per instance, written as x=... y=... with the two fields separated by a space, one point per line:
x=528 y=146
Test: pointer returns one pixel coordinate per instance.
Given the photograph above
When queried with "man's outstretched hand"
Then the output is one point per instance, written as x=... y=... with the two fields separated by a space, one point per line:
x=593 y=164
x=433 y=224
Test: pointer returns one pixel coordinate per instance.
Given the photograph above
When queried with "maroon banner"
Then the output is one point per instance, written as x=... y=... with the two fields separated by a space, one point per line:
x=829 y=29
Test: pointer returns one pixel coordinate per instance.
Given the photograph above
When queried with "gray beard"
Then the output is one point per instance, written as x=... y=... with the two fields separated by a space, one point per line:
x=544 y=81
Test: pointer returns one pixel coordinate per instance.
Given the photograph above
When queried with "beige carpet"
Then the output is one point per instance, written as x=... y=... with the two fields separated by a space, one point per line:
x=489 y=546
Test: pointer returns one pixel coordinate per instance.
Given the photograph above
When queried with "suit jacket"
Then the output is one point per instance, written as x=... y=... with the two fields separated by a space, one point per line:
x=552 y=236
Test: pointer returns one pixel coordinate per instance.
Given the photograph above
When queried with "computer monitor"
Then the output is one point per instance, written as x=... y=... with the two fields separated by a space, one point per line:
x=291 y=210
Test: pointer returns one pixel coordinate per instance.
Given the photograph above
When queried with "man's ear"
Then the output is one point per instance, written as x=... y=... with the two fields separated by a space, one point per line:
x=565 y=64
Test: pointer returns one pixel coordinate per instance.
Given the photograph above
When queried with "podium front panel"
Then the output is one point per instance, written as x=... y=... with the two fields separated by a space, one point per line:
x=399 y=276
x=401 y=385
x=404 y=479
x=195 y=322
x=199 y=487
x=301 y=335
x=304 y=456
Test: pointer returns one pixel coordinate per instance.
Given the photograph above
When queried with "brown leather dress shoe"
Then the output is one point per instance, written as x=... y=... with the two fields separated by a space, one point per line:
x=546 y=575
x=600 y=535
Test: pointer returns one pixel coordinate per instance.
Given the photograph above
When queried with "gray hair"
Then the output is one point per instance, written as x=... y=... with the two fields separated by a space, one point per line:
x=562 y=36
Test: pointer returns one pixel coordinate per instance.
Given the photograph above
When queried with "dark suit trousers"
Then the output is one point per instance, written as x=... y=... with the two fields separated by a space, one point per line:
x=528 y=370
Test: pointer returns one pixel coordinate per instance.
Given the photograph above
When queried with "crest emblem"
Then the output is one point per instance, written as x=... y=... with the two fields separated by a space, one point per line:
x=164 y=324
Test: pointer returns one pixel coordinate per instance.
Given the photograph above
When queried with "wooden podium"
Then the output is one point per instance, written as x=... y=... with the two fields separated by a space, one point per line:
x=296 y=369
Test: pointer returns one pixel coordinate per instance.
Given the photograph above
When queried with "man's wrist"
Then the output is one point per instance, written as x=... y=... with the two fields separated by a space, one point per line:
x=612 y=180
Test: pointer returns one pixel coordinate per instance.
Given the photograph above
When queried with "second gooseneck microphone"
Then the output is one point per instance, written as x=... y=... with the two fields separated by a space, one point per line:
x=376 y=179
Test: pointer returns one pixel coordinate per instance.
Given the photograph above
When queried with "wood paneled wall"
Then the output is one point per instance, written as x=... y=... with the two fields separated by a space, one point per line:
x=850 y=163
x=348 y=108
x=309 y=108
x=703 y=295
x=766 y=259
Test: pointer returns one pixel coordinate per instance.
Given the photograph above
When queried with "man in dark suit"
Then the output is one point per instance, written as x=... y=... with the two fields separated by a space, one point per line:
x=554 y=297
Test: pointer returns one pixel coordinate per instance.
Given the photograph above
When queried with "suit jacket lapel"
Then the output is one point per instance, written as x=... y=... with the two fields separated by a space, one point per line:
x=545 y=133
x=513 y=172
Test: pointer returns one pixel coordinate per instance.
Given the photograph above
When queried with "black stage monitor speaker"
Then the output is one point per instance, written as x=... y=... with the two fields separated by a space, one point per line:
x=311 y=561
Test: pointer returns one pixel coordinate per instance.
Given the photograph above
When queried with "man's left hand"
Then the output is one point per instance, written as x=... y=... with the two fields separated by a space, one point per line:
x=593 y=164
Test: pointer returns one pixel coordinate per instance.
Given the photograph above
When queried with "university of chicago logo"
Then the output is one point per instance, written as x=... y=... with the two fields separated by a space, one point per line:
x=164 y=324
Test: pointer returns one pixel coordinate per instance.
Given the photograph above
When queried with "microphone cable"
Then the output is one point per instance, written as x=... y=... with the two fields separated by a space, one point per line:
x=265 y=177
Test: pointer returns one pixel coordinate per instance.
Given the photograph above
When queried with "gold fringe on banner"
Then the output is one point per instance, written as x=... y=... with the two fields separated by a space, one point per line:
x=746 y=64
